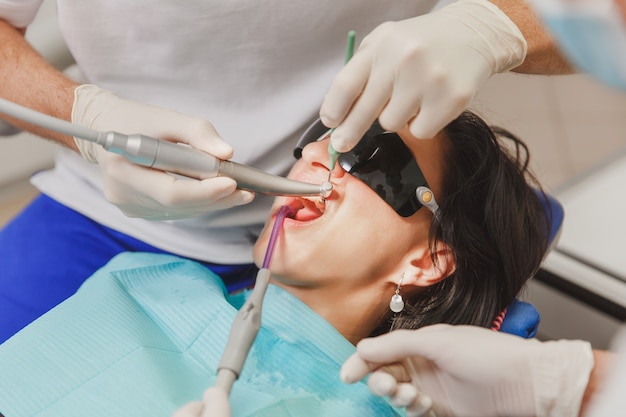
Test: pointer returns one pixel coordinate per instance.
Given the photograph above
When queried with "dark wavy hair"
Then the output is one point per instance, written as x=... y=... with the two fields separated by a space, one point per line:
x=492 y=218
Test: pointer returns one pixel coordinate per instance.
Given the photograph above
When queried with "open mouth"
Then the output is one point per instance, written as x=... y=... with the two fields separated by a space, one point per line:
x=307 y=209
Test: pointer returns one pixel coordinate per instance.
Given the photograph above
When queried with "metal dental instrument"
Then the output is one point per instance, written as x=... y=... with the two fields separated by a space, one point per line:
x=248 y=319
x=332 y=153
x=171 y=157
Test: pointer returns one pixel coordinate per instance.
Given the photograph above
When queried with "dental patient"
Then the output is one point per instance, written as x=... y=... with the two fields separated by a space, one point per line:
x=415 y=232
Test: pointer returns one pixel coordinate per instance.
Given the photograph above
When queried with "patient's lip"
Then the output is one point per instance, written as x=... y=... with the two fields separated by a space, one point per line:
x=309 y=208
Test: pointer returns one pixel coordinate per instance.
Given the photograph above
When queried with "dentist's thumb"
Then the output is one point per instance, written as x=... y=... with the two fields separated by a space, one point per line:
x=214 y=404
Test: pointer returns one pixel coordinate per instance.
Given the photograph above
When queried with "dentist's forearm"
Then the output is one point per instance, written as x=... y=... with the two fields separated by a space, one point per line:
x=27 y=79
x=543 y=56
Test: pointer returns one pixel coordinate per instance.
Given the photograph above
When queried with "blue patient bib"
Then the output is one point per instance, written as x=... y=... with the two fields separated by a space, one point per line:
x=143 y=336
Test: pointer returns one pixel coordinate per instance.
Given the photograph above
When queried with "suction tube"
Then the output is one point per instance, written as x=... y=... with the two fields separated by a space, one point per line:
x=171 y=157
x=248 y=319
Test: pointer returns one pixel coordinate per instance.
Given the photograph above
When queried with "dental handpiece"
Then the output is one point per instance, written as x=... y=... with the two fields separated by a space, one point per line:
x=171 y=157
x=184 y=160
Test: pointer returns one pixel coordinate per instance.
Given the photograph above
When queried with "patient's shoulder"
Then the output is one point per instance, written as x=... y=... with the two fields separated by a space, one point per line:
x=134 y=269
x=129 y=260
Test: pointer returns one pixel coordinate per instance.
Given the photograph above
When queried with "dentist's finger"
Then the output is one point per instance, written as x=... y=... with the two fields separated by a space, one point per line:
x=404 y=104
x=401 y=394
x=216 y=403
x=382 y=384
x=420 y=406
x=345 y=89
x=192 y=409
x=405 y=395
x=355 y=368
x=364 y=112
x=439 y=107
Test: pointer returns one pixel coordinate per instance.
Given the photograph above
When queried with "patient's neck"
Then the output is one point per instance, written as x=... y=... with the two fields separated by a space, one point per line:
x=355 y=314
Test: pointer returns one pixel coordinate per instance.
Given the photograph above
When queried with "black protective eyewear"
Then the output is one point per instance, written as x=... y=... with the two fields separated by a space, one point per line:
x=383 y=162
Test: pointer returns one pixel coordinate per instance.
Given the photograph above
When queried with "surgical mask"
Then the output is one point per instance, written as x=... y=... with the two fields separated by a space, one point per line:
x=384 y=163
x=591 y=34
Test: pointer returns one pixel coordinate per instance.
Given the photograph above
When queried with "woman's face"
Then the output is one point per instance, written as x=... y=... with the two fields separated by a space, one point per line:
x=354 y=238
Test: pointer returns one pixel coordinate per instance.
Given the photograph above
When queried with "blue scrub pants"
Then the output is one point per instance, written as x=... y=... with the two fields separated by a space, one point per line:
x=49 y=250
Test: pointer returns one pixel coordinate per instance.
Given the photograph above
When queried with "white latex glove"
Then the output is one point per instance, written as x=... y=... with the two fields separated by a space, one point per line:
x=422 y=71
x=214 y=404
x=472 y=371
x=144 y=192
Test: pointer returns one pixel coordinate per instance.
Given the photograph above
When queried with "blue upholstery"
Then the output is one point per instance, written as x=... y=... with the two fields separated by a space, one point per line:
x=522 y=319
x=555 y=216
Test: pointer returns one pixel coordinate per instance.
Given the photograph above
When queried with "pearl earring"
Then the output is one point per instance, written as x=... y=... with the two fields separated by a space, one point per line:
x=397 y=304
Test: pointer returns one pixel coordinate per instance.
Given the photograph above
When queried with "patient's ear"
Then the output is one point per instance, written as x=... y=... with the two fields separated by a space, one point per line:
x=428 y=268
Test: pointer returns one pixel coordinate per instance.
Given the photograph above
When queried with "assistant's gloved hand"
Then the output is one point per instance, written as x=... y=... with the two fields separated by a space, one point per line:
x=214 y=404
x=421 y=71
x=472 y=371
x=144 y=192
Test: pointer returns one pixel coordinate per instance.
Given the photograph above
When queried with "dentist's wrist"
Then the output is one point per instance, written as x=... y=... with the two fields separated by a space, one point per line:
x=542 y=56
x=504 y=44
x=561 y=372
x=601 y=362
x=89 y=101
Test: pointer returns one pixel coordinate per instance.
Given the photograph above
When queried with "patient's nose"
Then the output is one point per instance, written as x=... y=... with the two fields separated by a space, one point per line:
x=316 y=153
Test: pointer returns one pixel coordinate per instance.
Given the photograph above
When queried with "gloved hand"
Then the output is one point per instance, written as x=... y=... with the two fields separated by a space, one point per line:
x=422 y=71
x=144 y=192
x=214 y=404
x=473 y=371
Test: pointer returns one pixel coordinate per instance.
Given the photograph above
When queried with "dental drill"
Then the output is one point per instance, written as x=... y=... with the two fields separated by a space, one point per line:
x=248 y=319
x=171 y=157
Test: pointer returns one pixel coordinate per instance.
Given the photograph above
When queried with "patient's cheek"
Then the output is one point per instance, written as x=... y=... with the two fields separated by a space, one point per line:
x=258 y=252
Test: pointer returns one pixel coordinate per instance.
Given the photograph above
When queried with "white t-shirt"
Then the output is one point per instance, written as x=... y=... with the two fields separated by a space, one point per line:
x=258 y=70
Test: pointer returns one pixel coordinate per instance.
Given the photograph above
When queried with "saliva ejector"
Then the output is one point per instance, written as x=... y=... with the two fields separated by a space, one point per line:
x=248 y=320
x=171 y=157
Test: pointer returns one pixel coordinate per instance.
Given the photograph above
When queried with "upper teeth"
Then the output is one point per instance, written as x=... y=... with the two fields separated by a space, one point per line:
x=319 y=203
